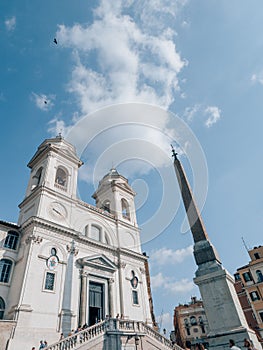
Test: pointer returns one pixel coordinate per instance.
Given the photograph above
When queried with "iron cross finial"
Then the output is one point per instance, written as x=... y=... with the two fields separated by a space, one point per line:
x=174 y=154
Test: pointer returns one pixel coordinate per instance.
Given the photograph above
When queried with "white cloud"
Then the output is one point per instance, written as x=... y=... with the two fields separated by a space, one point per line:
x=182 y=286
x=214 y=114
x=158 y=280
x=165 y=321
x=119 y=63
x=123 y=132
x=131 y=64
x=165 y=256
x=185 y=24
x=166 y=283
x=190 y=112
x=57 y=126
x=154 y=15
x=10 y=24
x=211 y=113
x=257 y=78
x=42 y=101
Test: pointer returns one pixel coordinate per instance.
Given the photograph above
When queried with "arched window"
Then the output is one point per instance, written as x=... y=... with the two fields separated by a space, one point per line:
x=95 y=233
x=11 y=240
x=186 y=322
x=5 y=270
x=61 y=178
x=193 y=320
x=125 y=209
x=259 y=276
x=53 y=251
x=106 y=206
x=36 y=178
x=247 y=276
x=2 y=308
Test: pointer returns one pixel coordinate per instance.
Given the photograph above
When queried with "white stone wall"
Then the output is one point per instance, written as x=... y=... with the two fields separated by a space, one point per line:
x=52 y=217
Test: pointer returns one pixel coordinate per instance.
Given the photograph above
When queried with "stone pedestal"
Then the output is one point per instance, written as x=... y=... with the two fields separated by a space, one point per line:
x=224 y=313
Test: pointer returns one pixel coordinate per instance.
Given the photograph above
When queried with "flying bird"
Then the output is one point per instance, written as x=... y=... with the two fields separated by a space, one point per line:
x=55 y=41
x=45 y=102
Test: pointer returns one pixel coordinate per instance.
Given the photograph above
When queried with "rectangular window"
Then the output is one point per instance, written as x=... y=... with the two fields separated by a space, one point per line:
x=237 y=277
x=256 y=255
x=261 y=316
x=135 y=299
x=11 y=240
x=254 y=296
x=5 y=270
x=50 y=281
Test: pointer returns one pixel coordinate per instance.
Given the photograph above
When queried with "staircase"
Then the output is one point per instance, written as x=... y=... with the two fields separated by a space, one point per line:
x=127 y=331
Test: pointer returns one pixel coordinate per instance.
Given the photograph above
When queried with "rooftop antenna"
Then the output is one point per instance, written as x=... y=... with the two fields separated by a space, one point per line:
x=246 y=247
x=161 y=320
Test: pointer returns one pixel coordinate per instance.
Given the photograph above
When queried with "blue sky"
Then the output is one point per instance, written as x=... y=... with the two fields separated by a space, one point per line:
x=201 y=61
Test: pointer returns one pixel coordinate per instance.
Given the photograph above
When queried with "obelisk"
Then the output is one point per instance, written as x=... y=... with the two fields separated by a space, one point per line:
x=225 y=316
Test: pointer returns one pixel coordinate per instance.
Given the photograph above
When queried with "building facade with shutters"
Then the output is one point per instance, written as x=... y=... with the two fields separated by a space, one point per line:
x=190 y=323
x=249 y=287
x=67 y=263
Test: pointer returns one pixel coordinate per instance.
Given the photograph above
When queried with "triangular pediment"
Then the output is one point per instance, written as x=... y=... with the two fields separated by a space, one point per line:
x=99 y=261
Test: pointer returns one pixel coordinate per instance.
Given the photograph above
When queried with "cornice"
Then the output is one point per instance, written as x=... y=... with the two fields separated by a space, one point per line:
x=70 y=233
x=36 y=191
x=132 y=254
x=52 y=148
x=96 y=210
x=9 y=224
x=128 y=225
x=42 y=189
x=127 y=188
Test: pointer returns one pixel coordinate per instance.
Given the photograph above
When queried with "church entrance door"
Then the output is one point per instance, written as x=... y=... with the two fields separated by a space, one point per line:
x=96 y=302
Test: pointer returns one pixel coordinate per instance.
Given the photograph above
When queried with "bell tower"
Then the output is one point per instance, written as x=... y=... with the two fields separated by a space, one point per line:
x=114 y=195
x=54 y=170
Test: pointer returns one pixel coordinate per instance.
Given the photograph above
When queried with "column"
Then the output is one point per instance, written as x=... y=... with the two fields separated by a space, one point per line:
x=67 y=312
x=83 y=298
x=110 y=288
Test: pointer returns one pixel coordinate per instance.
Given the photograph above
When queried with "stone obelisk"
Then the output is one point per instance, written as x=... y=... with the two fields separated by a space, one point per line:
x=225 y=316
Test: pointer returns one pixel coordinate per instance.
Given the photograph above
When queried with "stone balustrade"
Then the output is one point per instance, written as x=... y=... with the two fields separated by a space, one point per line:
x=159 y=337
x=77 y=339
x=115 y=325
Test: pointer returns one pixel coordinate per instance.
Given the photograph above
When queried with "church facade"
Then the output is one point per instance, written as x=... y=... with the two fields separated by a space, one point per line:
x=67 y=263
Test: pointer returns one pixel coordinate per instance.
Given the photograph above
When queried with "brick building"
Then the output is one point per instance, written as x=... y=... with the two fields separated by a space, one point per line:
x=190 y=323
x=249 y=288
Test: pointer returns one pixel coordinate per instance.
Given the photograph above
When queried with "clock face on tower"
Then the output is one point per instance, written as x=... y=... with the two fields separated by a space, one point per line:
x=57 y=211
